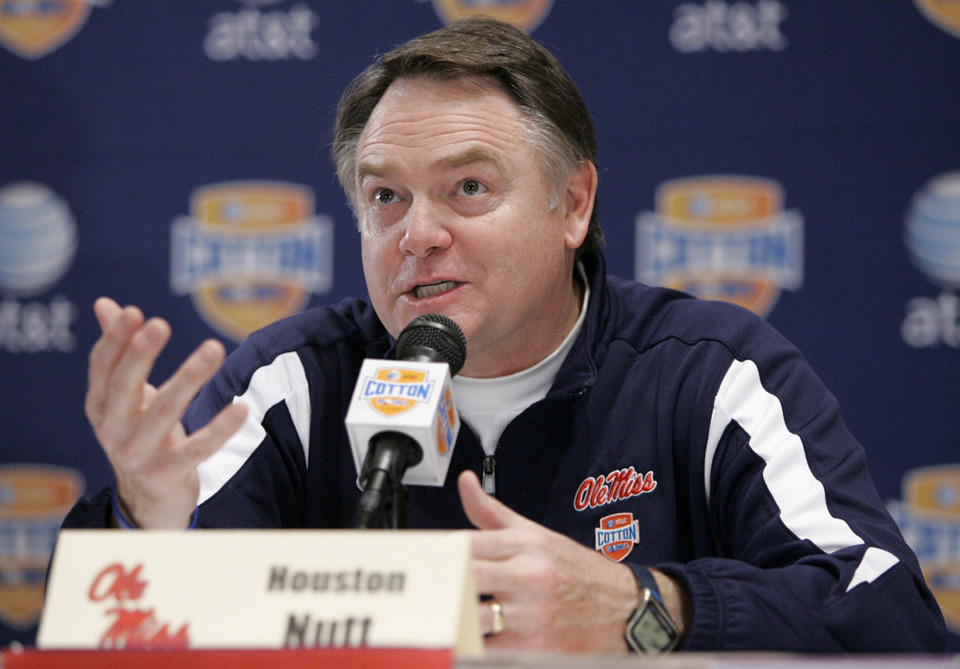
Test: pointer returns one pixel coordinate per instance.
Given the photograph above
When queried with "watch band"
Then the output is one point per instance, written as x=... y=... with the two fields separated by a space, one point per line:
x=650 y=629
x=646 y=580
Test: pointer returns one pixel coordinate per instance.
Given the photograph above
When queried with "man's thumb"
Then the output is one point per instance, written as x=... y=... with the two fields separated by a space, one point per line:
x=483 y=510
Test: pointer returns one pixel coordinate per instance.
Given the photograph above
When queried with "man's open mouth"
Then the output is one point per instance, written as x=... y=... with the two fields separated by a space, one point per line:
x=431 y=289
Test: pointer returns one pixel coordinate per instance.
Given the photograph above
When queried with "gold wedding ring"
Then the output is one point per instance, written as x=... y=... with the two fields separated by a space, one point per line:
x=496 y=612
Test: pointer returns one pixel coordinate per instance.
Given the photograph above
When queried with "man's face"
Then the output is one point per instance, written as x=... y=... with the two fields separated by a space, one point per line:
x=454 y=218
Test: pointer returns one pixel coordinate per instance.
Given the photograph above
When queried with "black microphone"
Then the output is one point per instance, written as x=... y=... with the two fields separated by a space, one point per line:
x=409 y=411
x=433 y=338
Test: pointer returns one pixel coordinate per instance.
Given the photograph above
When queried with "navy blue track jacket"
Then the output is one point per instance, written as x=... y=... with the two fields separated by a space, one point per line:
x=681 y=434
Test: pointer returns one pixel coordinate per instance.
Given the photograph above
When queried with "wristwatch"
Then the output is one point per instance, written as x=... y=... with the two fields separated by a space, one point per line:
x=650 y=629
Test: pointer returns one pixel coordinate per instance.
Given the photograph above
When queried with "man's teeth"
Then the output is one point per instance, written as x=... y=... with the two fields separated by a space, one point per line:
x=433 y=289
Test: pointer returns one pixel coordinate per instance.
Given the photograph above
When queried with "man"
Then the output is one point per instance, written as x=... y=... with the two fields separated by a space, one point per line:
x=663 y=470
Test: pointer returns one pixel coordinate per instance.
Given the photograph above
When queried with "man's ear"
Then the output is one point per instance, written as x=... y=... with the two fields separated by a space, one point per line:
x=578 y=199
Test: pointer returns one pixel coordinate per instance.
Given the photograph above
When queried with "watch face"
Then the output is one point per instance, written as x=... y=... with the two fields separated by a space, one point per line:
x=650 y=629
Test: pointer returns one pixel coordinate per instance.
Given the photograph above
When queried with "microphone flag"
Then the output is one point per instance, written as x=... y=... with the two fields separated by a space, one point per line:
x=412 y=398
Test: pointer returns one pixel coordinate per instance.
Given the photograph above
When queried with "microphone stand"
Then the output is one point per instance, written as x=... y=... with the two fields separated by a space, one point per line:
x=383 y=503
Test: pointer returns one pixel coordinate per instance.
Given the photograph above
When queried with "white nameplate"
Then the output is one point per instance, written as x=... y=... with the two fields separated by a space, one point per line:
x=261 y=589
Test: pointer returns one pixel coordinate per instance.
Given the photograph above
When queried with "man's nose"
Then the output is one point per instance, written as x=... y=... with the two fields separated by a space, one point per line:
x=426 y=230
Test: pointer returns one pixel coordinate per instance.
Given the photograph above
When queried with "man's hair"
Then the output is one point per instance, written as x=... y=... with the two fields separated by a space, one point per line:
x=557 y=118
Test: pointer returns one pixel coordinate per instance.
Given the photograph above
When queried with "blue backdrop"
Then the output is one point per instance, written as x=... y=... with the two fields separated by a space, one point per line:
x=800 y=158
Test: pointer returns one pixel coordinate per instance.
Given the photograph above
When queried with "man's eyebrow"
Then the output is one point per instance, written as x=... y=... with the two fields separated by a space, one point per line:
x=367 y=168
x=469 y=157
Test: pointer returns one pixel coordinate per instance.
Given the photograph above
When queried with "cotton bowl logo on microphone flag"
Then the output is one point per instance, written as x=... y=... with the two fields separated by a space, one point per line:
x=395 y=390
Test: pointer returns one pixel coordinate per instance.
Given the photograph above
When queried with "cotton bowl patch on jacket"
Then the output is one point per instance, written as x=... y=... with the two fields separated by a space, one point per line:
x=617 y=535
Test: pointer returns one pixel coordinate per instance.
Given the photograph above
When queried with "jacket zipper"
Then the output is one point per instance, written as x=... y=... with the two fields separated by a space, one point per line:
x=490 y=475
x=490 y=462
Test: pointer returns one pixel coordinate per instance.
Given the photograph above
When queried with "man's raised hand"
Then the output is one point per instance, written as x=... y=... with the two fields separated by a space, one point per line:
x=138 y=425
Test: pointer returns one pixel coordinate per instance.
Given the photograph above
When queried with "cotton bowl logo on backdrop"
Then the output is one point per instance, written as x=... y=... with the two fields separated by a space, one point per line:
x=250 y=253
x=525 y=14
x=932 y=236
x=33 y=28
x=945 y=14
x=929 y=517
x=33 y=502
x=722 y=237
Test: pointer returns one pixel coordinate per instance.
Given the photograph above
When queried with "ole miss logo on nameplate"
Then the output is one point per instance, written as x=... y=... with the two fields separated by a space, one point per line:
x=617 y=535
x=394 y=390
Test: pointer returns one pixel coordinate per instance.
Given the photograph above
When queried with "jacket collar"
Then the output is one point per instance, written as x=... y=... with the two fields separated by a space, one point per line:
x=579 y=370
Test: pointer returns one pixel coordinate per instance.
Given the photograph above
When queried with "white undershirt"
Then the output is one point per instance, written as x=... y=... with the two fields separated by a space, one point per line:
x=488 y=405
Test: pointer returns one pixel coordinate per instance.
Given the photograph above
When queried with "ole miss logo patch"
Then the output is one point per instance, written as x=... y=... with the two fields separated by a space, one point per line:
x=617 y=535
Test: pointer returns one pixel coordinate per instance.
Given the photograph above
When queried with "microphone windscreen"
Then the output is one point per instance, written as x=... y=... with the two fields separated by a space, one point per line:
x=435 y=333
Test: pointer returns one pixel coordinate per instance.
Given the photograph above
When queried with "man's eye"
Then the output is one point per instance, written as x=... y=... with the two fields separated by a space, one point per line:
x=384 y=196
x=472 y=187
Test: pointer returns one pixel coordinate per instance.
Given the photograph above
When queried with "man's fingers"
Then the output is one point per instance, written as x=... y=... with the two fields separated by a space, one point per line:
x=126 y=382
x=208 y=440
x=106 y=311
x=173 y=397
x=120 y=325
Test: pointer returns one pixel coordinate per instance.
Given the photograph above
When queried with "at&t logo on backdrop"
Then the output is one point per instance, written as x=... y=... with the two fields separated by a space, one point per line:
x=252 y=33
x=932 y=237
x=250 y=253
x=33 y=28
x=525 y=14
x=38 y=242
x=724 y=27
x=722 y=237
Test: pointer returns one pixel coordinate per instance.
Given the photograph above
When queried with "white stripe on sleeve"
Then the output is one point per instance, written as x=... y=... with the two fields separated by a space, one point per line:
x=799 y=495
x=874 y=563
x=283 y=380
